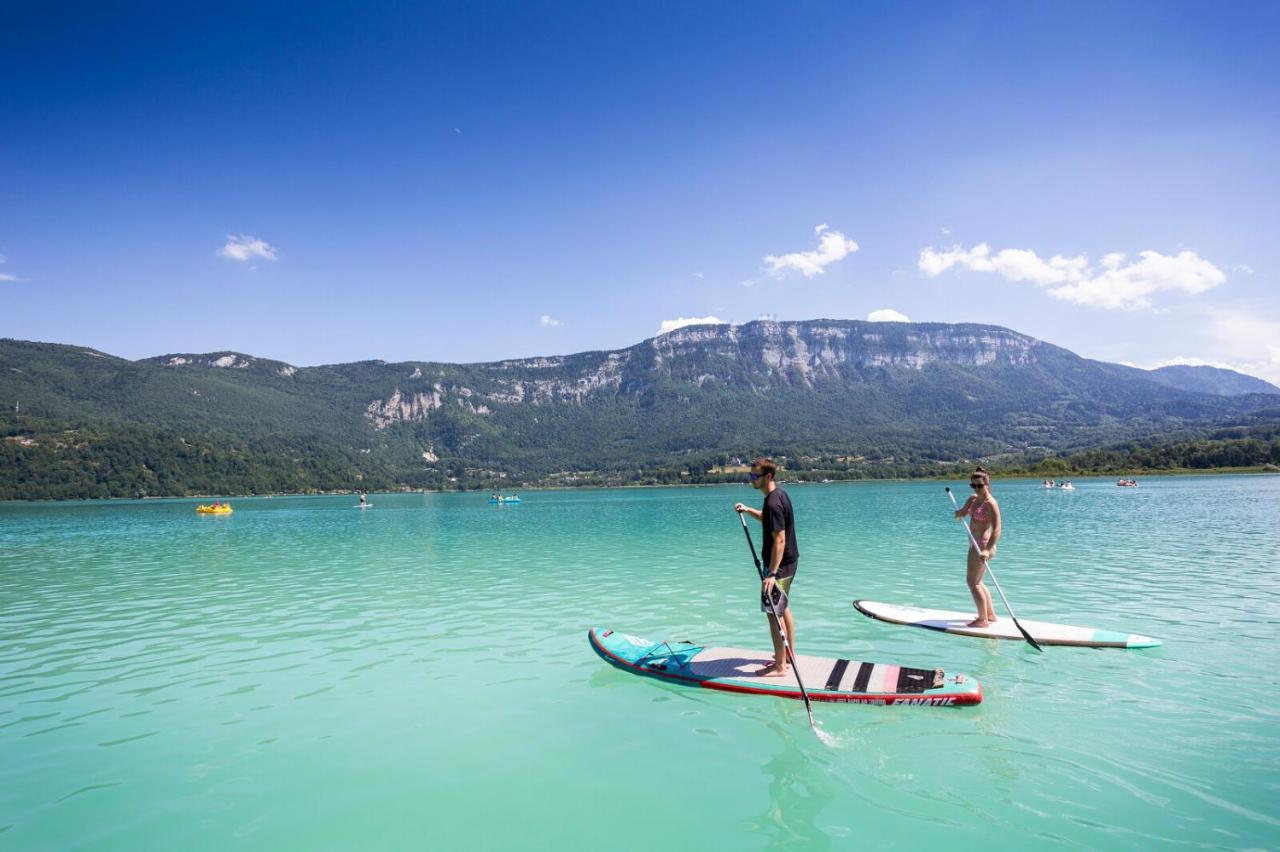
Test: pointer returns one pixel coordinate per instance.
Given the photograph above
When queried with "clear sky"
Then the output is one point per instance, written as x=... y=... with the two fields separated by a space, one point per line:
x=326 y=182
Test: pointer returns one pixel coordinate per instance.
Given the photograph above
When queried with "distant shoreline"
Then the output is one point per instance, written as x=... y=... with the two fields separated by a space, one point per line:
x=961 y=473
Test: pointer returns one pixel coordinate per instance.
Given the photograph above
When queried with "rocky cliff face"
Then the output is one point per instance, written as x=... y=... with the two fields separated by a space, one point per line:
x=808 y=351
x=755 y=357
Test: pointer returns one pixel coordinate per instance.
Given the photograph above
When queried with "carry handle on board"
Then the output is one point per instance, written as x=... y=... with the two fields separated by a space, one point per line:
x=777 y=619
x=978 y=550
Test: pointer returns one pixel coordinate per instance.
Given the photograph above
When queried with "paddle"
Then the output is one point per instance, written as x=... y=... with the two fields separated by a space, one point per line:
x=777 y=619
x=974 y=542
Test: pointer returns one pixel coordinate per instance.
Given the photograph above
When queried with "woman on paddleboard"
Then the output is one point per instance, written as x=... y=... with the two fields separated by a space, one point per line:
x=984 y=515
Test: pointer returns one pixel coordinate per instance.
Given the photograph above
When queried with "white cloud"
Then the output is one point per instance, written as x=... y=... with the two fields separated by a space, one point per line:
x=681 y=322
x=832 y=246
x=244 y=247
x=1243 y=267
x=1115 y=283
x=1013 y=264
x=1130 y=287
x=887 y=315
x=1249 y=342
x=4 y=276
x=548 y=321
x=1181 y=361
x=1236 y=339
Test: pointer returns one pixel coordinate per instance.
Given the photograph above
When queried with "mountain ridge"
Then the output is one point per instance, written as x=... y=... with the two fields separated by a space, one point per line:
x=1182 y=377
x=899 y=395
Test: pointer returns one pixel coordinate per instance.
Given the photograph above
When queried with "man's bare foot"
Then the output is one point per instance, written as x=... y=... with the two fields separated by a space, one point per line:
x=978 y=622
x=772 y=670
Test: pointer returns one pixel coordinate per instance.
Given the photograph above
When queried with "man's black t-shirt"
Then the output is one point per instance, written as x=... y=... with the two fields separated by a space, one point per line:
x=777 y=515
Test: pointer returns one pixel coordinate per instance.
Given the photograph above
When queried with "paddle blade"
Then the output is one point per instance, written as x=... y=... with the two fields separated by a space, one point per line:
x=1027 y=636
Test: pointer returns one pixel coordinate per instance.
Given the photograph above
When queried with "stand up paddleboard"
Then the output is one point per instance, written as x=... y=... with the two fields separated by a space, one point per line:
x=734 y=670
x=1045 y=633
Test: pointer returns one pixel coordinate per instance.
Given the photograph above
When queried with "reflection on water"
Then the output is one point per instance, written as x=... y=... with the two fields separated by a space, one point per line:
x=800 y=789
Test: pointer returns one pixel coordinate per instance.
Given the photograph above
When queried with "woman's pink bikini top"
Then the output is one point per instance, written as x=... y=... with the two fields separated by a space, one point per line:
x=979 y=513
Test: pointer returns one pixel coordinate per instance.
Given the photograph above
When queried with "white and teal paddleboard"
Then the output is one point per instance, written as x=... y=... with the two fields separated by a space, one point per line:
x=1043 y=632
x=736 y=670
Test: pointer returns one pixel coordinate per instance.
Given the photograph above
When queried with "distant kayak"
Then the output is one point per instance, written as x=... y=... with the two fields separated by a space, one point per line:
x=504 y=500
x=826 y=679
x=213 y=510
x=1045 y=633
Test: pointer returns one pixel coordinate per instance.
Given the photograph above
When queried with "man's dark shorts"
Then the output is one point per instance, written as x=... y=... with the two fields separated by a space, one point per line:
x=781 y=591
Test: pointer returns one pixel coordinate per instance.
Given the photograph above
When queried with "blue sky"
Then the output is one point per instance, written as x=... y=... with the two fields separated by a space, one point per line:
x=331 y=182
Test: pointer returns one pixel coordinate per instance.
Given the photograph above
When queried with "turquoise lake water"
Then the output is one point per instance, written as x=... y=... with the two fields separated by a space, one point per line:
x=305 y=675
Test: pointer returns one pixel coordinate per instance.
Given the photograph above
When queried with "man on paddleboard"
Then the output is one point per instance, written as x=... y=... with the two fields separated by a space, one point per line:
x=781 y=556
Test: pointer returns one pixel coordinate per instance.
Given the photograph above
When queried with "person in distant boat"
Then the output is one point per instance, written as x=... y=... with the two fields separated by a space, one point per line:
x=984 y=515
x=781 y=556
x=363 y=499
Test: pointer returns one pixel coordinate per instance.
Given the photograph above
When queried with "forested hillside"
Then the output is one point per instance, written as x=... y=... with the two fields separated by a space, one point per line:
x=846 y=397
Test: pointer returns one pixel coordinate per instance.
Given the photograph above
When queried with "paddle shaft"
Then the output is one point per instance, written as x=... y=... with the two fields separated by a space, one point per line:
x=987 y=565
x=777 y=619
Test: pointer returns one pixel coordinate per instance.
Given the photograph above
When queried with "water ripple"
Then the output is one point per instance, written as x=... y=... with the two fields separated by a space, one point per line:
x=170 y=681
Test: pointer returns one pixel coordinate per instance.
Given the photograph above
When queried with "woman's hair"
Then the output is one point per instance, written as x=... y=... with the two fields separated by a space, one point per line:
x=980 y=473
x=765 y=466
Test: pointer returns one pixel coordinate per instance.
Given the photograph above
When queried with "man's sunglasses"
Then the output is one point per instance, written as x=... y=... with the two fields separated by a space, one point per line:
x=755 y=476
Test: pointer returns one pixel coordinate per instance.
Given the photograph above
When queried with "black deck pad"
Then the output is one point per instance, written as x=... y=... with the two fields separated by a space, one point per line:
x=837 y=672
x=918 y=680
x=863 y=677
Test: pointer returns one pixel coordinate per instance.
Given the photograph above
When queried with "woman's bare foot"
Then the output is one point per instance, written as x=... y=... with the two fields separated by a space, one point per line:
x=979 y=622
x=773 y=670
